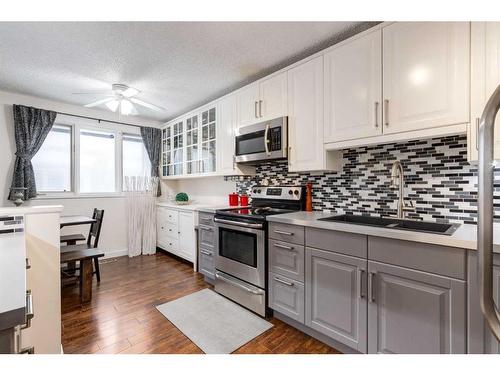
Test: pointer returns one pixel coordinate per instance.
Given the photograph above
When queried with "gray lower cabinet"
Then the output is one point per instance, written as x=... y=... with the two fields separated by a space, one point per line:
x=206 y=246
x=286 y=296
x=479 y=337
x=286 y=259
x=414 y=312
x=336 y=298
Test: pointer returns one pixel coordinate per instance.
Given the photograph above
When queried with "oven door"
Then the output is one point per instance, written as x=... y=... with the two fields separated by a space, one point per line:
x=240 y=250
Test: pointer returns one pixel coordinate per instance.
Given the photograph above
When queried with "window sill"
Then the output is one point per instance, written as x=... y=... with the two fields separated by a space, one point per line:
x=51 y=196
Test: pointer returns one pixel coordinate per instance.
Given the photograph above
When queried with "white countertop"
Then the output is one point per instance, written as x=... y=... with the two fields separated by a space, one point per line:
x=208 y=208
x=465 y=236
x=23 y=210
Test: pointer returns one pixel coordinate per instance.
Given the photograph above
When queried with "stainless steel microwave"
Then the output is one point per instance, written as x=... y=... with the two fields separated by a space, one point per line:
x=263 y=141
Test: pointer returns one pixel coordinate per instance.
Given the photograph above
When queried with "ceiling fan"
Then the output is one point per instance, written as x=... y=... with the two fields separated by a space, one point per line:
x=122 y=98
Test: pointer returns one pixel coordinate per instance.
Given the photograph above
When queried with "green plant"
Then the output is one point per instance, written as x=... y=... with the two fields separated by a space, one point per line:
x=181 y=197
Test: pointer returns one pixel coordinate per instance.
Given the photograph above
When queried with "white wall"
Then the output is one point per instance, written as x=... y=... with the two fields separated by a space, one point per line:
x=206 y=190
x=114 y=234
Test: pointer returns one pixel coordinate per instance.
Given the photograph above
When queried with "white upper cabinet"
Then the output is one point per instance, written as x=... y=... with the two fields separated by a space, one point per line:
x=305 y=119
x=248 y=105
x=227 y=110
x=425 y=75
x=353 y=89
x=263 y=100
x=273 y=97
x=485 y=77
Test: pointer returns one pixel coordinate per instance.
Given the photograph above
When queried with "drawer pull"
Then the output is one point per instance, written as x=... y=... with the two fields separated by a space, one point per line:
x=283 y=246
x=283 y=232
x=283 y=282
x=204 y=227
x=29 y=309
x=206 y=252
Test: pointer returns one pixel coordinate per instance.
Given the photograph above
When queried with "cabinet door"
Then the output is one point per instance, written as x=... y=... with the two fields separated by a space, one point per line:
x=187 y=243
x=227 y=111
x=286 y=296
x=353 y=89
x=336 y=299
x=485 y=77
x=248 y=103
x=273 y=97
x=480 y=340
x=414 y=312
x=425 y=75
x=305 y=117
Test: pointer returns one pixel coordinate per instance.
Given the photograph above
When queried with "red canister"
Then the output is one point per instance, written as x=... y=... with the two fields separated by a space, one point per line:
x=243 y=200
x=233 y=199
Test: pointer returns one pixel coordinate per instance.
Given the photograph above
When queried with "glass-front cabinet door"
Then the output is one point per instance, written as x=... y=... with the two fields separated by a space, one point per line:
x=189 y=145
x=192 y=146
x=208 y=136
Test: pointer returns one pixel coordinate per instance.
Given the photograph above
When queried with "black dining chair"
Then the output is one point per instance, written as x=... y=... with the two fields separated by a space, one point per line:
x=92 y=240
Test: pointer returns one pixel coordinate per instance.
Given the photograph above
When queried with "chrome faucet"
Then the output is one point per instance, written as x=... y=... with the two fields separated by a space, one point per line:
x=397 y=180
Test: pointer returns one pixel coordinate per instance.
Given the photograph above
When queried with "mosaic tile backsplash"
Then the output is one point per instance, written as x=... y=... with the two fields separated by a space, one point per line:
x=438 y=179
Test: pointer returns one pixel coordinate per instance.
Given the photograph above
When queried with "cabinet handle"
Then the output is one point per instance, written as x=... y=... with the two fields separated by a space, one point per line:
x=282 y=232
x=386 y=112
x=283 y=246
x=28 y=263
x=360 y=283
x=206 y=252
x=477 y=133
x=29 y=310
x=283 y=281
x=376 y=114
x=260 y=108
x=371 y=284
x=255 y=109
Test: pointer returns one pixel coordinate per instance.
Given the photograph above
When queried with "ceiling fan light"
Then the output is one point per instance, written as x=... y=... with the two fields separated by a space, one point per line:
x=129 y=92
x=113 y=105
x=126 y=107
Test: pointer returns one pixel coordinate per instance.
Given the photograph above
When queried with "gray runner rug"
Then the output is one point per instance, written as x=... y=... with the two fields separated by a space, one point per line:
x=214 y=323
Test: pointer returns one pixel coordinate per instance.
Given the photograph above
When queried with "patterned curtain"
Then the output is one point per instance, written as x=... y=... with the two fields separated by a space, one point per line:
x=31 y=126
x=152 y=141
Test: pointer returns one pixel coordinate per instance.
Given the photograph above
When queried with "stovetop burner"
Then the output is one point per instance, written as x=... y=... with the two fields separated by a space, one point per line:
x=267 y=201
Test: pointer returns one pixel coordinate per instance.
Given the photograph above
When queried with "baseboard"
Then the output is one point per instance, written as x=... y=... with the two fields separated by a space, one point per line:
x=115 y=253
x=317 y=335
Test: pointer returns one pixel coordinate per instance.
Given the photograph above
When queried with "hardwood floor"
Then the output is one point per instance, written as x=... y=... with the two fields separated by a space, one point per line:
x=122 y=318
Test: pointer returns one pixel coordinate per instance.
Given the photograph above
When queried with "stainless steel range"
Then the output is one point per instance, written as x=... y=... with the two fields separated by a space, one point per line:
x=241 y=244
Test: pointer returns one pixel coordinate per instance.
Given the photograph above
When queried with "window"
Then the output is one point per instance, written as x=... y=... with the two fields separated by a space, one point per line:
x=97 y=161
x=87 y=157
x=52 y=163
x=135 y=157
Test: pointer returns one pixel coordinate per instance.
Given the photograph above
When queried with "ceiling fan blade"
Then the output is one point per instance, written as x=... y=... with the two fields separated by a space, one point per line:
x=107 y=92
x=98 y=102
x=129 y=92
x=147 y=105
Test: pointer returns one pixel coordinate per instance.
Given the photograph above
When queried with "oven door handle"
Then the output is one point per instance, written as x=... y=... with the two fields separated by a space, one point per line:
x=266 y=140
x=238 y=223
x=237 y=284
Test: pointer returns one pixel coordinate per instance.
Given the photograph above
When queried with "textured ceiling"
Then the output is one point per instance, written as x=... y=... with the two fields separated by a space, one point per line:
x=176 y=65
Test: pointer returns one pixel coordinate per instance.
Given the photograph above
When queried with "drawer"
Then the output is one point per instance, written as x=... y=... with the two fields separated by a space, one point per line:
x=206 y=236
x=286 y=259
x=169 y=244
x=169 y=229
x=206 y=219
x=287 y=297
x=207 y=263
x=286 y=232
x=167 y=215
x=441 y=260
x=339 y=242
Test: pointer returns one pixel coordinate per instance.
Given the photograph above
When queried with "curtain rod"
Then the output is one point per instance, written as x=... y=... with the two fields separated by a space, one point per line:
x=98 y=119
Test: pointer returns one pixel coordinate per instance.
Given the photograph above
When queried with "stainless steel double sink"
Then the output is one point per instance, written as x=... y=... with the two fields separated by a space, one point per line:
x=392 y=223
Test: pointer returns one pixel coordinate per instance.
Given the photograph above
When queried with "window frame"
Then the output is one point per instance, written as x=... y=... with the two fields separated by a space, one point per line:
x=76 y=124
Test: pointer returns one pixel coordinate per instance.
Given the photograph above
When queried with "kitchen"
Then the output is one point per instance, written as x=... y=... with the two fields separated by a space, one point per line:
x=341 y=202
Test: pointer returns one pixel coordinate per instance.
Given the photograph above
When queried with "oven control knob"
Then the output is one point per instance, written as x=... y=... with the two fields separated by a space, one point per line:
x=255 y=191
x=290 y=192
x=296 y=192
x=259 y=191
